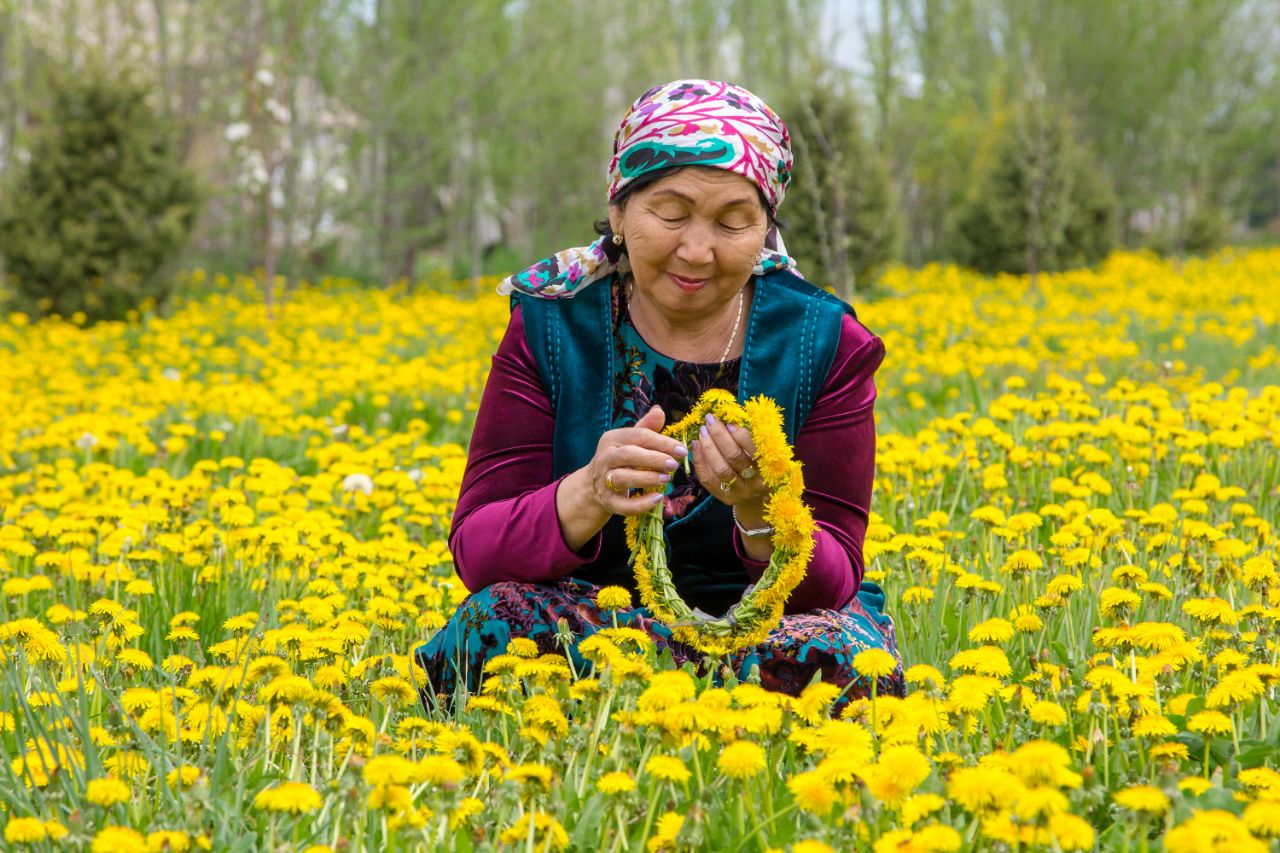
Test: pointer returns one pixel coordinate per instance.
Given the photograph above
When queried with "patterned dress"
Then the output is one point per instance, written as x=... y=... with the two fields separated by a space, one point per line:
x=819 y=644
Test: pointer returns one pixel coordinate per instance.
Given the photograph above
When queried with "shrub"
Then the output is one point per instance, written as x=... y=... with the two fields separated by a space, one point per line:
x=841 y=219
x=1043 y=204
x=101 y=206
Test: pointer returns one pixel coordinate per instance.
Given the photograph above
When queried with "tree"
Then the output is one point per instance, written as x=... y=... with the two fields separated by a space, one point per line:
x=1042 y=204
x=104 y=202
x=842 y=222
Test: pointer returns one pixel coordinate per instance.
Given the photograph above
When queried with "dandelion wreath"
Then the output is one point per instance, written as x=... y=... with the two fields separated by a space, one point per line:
x=750 y=620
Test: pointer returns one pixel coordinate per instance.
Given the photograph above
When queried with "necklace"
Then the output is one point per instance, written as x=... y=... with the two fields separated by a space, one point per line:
x=736 y=323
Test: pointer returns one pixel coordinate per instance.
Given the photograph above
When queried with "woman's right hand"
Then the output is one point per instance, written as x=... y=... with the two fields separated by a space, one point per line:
x=638 y=457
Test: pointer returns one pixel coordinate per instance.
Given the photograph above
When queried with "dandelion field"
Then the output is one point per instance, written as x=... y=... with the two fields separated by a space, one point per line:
x=222 y=536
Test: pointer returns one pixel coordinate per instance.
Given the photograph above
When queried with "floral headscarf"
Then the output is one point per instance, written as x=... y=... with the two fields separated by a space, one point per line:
x=683 y=123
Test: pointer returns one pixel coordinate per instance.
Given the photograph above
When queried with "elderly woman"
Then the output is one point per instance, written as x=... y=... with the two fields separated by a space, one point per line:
x=688 y=288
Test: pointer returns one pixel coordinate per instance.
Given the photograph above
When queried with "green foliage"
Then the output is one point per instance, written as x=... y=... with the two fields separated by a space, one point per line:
x=104 y=202
x=1042 y=203
x=840 y=212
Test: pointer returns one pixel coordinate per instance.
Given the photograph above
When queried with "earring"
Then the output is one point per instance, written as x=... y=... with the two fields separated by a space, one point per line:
x=617 y=239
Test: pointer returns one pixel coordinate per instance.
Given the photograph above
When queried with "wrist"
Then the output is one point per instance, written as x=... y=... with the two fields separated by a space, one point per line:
x=581 y=499
x=751 y=528
x=749 y=515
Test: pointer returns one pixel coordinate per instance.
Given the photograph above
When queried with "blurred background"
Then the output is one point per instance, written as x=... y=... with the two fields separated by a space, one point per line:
x=416 y=139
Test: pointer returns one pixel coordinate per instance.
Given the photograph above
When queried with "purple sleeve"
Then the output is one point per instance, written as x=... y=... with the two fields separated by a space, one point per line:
x=837 y=446
x=505 y=527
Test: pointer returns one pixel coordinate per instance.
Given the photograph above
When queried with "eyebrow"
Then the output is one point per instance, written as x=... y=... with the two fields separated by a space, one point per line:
x=733 y=203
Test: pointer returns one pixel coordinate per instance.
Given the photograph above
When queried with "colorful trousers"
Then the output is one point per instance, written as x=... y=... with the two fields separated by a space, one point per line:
x=804 y=645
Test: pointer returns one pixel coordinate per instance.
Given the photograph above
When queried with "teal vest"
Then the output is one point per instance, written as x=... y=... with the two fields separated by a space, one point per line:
x=791 y=340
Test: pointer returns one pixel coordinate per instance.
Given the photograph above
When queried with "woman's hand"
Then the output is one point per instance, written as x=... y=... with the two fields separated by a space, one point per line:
x=724 y=459
x=638 y=457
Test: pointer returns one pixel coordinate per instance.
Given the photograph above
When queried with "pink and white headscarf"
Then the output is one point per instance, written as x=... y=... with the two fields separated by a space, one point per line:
x=682 y=123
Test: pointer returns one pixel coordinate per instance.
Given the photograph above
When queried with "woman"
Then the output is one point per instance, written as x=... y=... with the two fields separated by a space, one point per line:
x=687 y=289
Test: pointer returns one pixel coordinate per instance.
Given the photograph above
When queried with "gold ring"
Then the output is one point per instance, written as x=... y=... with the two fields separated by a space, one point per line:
x=724 y=487
x=748 y=472
x=608 y=481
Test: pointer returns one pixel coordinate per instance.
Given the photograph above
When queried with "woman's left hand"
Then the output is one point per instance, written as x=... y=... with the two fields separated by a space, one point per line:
x=724 y=460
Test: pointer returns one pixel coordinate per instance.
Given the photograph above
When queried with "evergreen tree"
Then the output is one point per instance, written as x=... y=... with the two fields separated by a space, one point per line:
x=841 y=219
x=103 y=203
x=1041 y=205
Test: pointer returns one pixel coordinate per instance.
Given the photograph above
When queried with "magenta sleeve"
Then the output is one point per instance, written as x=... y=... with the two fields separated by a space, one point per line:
x=505 y=527
x=837 y=447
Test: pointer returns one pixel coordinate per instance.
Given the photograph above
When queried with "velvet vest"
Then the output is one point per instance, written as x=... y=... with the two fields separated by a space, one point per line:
x=791 y=339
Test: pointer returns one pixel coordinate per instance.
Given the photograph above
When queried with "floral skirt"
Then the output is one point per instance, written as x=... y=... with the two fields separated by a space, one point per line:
x=820 y=642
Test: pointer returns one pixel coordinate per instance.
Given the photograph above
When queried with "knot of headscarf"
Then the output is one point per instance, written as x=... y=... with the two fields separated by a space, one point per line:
x=682 y=123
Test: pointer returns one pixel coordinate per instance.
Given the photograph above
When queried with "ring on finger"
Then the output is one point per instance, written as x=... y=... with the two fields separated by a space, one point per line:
x=608 y=481
x=724 y=487
x=748 y=472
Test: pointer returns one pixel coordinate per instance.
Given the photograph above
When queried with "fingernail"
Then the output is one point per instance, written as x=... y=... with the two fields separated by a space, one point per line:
x=664 y=478
x=671 y=464
x=681 y=450
x=694 y=445
x=733 y=430
x=702 y=431
x=711 y=418
x=657 y=497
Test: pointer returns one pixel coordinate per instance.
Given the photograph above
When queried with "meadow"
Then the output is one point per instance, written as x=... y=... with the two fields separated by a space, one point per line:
x=222 y=536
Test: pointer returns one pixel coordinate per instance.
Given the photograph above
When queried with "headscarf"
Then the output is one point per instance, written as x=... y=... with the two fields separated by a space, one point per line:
x=682 y=123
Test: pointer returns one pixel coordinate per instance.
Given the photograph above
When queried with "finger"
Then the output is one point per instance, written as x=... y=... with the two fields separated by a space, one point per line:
x=625 y=504
x=648 y=439
x=637 y=478
x=653 y=419
x=633 y=456
x=730 y=450
x=743 y=437
x=717 y=467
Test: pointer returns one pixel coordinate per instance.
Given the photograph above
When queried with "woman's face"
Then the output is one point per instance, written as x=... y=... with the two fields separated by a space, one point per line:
x=693 y=239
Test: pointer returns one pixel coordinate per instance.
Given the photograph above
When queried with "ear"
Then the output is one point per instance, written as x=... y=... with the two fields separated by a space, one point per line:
x=615 y=219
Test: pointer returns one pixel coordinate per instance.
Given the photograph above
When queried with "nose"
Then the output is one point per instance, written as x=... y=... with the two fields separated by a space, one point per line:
x=697 y=246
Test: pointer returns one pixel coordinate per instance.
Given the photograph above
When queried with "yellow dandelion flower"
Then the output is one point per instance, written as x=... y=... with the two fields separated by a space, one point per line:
x=919 y=806
x=1021 y=562
x=393 y=690
x=1071 y=832
x=668 y=768
x=666 y=832
x=1263 y=818
x=468 y=808
x=522 y=647
x=1047 y=713
x=813 y=792
x=107 y=792
x=118 y=839
x=1142 y=798
x=741 y=759
x=994 y=630
x=613 y=598
x=168 y=841
x=295 y=797
x=1211 y=722
x=545 y=830
x=980 y=790
x=181 y=778
x=617 y=782
x=1211 y=611
x=25 y=830
x=874 y=663
x=1212 y=829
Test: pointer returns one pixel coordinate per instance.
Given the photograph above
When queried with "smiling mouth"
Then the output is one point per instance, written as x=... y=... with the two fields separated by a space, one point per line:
x=688 y=284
